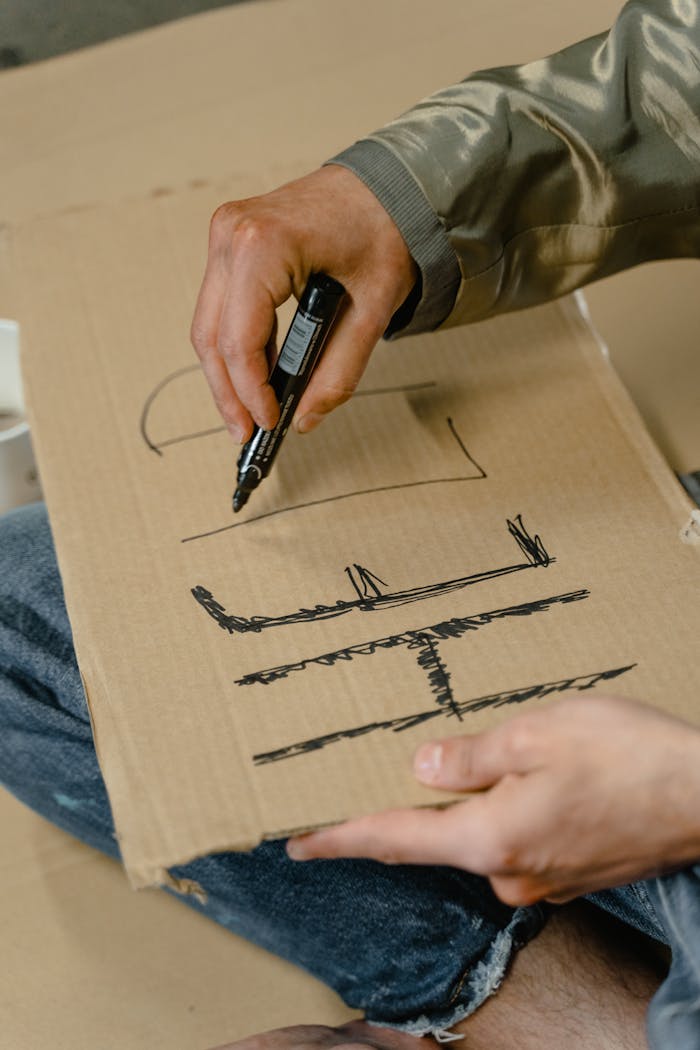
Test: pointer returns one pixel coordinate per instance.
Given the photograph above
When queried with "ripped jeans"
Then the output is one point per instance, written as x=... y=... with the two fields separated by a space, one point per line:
x=415 y=948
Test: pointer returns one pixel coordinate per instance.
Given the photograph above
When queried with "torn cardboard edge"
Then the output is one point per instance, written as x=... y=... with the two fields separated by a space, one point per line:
x=690 y=533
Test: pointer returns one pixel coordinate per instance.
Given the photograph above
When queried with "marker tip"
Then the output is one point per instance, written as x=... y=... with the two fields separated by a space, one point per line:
x=240 y=499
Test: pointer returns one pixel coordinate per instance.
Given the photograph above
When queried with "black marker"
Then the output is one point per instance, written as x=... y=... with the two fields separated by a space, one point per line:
x=300 y=351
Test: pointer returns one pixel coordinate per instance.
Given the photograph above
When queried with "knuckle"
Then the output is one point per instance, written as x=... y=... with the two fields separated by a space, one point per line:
x=219 y=228
x=458 y=757
x=200 y=338
x=238 y=226
x=368 y=327
x=517 y=893
x=501 y=853
x=336 y=394
x=391 y=856
x=228 y=349
x=224 y=217
x=251 y=232
x=521 y=737
x=224 y=408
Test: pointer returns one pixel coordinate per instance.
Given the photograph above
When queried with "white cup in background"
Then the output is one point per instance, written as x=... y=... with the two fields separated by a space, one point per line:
x=19 y=482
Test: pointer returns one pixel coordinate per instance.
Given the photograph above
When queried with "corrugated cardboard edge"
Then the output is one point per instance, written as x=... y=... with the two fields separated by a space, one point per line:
x=156 y=875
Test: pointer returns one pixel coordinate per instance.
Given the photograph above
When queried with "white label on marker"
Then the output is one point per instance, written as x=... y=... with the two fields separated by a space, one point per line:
x=296 y=344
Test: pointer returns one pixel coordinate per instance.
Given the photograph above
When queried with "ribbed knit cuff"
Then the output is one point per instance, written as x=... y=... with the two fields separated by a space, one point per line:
x=400 y=195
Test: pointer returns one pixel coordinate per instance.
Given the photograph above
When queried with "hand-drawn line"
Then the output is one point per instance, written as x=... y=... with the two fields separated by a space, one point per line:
x=438 y=675
x=455 y=627
x=478 y=476
x=366 y=583
x=159 y=446
x=151 y=398
x=465 y=450
x=456 y=708
x=319 y=502
x=369 y=597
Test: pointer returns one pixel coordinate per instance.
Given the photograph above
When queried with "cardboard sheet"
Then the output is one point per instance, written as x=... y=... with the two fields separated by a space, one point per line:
x=487 y=524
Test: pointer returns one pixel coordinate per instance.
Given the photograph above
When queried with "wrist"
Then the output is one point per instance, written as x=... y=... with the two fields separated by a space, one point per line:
x=396 y=189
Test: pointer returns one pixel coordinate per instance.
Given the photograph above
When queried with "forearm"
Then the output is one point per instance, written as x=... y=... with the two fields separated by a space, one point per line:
x=519 y=184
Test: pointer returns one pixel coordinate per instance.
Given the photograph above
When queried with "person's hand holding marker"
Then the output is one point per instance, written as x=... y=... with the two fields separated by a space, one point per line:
x=261 y=251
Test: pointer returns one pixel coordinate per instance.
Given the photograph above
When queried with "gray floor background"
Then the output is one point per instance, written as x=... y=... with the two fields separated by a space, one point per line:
x=31 y=30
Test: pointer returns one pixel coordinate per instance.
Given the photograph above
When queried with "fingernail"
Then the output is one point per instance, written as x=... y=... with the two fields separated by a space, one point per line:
x=427 y=762
x=237 y=433
x=296 y=850
x=308 y=422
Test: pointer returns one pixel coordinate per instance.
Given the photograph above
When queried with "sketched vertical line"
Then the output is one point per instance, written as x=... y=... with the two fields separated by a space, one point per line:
x=532 y=547
x=465 y=450
x=438 y=676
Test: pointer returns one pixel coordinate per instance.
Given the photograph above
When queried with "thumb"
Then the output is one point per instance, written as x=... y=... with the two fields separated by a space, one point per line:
x=464 y=763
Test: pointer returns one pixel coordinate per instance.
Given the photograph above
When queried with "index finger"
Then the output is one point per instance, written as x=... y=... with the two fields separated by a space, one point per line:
x=461 y=835
x=246 y=325
x=203 y=335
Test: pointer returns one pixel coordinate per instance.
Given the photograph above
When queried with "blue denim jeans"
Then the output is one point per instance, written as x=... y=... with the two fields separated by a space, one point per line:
x=413 y=947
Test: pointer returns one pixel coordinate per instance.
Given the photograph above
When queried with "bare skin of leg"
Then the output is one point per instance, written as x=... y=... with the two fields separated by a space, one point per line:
x=584 y=982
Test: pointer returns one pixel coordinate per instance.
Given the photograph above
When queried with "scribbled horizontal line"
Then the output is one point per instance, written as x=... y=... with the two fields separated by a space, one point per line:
x=457 y=708
x=454 y=627
x=392 y=600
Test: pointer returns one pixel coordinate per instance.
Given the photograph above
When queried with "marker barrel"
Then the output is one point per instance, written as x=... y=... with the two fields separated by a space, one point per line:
x=289 y=378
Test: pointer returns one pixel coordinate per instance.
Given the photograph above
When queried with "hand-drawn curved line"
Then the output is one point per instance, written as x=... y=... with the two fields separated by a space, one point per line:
x=455 y=627
x=397 y=725
x=533 y=549
x=319 y=502
x=157 y=448
x=151 y=398
x=348 y=495
x=465 y=450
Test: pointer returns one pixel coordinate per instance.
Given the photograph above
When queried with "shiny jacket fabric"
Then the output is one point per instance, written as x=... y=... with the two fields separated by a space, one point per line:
x=520 y=184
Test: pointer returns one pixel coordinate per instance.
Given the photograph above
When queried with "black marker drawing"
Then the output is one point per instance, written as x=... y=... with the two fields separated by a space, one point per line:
x=463 y=707
x=419 y=639
x=369 y=596
x=423 y=642
x=472 y=472
x=366 y=584
x=158 y=446
x=476 y=473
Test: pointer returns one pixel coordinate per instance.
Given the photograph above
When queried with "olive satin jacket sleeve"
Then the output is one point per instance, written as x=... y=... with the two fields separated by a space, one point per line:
x=520 y=184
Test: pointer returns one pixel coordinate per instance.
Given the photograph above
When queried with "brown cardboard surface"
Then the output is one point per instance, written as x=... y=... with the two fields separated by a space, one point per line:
x=212 y=738
x=87 y=963
x=233 y=90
